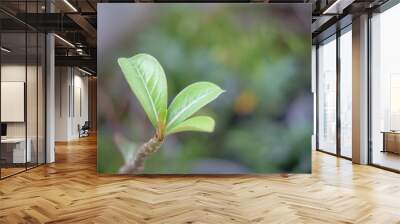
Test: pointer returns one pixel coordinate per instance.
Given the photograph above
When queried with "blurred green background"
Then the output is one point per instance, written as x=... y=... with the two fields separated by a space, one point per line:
x=259 y=53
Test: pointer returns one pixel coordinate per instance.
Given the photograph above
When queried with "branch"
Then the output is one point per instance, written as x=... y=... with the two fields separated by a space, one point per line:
x=136 y=164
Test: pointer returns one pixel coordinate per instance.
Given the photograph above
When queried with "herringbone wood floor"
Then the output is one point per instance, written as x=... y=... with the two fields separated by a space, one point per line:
x=70 y=191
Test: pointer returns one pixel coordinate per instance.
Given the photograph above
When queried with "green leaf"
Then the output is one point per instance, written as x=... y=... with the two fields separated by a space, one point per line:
x=199 y=123
x=190 y=100
x=147 y=80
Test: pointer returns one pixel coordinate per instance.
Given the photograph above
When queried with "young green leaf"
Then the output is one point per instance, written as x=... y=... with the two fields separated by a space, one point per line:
x=198 y=123
x=147 y=80
x=190 y=100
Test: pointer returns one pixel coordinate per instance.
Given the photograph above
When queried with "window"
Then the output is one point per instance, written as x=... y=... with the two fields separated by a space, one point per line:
x=346 y=93
x=327 y=95
x=22 y=93
x=385 y=89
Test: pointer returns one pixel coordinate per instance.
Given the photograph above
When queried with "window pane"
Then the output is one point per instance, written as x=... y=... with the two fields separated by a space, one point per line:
x=15 y=150
x=327 y=96
x=346 y=94
x=386 y=89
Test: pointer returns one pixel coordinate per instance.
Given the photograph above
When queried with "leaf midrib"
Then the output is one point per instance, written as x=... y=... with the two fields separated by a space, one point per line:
x=148 y=93
x=185 y=108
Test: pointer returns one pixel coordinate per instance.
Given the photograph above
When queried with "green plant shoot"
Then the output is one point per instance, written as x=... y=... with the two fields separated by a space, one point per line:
x=147 y=80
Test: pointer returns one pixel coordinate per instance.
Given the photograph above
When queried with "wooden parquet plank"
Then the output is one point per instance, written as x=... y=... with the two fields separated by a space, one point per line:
x=70 y=191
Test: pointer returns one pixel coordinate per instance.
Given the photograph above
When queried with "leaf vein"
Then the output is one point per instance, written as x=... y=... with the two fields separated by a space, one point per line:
x=187 y=107
x=147 y=91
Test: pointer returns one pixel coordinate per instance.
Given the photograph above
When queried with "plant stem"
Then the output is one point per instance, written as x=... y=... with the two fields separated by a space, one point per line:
x=136 y=164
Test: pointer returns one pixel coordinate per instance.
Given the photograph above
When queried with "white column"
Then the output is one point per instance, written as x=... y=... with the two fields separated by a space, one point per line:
x=50 y=98
x=360 y=90
x=62 y=103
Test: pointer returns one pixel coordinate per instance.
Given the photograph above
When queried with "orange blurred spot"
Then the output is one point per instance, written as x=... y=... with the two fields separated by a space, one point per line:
x=245 y=103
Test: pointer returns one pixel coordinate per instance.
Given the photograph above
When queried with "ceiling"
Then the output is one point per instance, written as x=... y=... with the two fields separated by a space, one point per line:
x=75 y=21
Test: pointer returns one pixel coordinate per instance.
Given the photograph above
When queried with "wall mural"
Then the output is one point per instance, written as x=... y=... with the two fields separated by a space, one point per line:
x=216 y=88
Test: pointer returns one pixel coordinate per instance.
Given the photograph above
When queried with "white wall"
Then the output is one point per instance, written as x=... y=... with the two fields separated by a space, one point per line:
x=12 y=73
x=71 y=94
x=62 y=81
x=80 y=110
